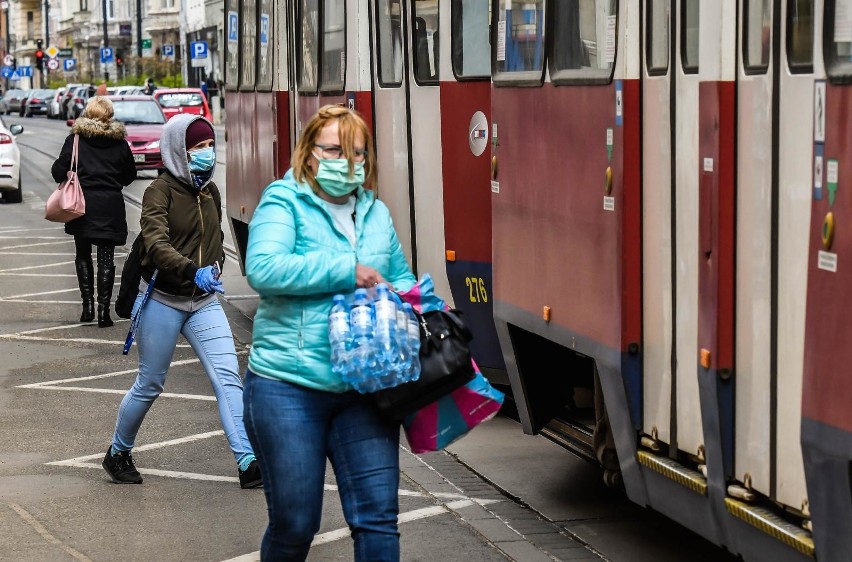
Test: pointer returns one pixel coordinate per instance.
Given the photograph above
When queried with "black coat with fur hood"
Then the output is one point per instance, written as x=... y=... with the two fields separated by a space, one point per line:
x=105 y=166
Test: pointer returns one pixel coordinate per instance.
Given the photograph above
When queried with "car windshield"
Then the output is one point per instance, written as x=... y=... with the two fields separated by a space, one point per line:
x=185 y=99
x=136 y=112
x=42 y=93
x=13 y=93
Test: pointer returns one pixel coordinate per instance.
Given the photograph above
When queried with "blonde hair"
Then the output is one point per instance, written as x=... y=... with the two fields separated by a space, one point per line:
x=350 y=122
x=100 y=108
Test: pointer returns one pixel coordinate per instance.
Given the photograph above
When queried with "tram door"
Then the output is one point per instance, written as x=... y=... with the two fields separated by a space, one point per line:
x=772 y=243
x=406 y=47
x=670 y=224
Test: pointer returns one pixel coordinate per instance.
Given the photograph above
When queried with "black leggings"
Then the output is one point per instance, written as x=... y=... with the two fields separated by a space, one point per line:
x=106 y=252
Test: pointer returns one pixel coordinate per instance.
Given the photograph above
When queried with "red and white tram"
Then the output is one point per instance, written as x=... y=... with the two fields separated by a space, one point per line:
x=636 y=204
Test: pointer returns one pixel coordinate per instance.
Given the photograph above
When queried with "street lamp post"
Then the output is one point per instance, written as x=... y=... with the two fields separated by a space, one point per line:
x=106 y=41
x=4 y=5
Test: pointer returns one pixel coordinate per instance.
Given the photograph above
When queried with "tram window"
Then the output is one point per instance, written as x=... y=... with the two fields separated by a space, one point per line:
x=388 y=18
x=424 y=31
x=800 y=35
x=519 y=42
x=265 y=22
x=471 y=49
x=308 y=39
x=757 y=35
x=689 y=36
x=837 y=40
x=248 y=42
x=232 y=53
x=584 y=41
x=659 y=14
x=333 y=60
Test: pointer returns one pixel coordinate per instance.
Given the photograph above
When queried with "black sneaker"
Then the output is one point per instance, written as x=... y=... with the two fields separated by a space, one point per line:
x=121 y=469
x=250 y=477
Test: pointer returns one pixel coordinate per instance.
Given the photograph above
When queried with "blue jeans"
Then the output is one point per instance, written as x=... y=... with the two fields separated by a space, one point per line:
x=293 y=430
x=209 y=334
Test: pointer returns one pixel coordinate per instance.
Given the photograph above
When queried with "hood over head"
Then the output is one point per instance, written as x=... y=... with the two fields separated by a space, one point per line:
x=173 y=148
x=94 y=128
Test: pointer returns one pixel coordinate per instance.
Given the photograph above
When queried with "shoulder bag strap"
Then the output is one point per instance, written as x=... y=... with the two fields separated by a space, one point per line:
x=75 y=153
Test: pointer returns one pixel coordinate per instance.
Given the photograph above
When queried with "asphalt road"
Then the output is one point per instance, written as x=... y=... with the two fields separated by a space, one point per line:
x=495 y=495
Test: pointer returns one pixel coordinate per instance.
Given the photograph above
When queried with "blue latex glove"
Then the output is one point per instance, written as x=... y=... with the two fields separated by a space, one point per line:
x=207 y=279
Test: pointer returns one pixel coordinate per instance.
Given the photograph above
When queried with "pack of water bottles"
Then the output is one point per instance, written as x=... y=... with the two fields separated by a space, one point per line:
x=375 y=342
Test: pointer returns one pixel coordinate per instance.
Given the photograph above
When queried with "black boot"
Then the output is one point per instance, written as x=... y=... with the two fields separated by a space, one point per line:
x=106 y=279
x=86 y=280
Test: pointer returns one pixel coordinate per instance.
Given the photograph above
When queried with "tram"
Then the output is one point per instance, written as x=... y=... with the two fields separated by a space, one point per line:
x=636 y=204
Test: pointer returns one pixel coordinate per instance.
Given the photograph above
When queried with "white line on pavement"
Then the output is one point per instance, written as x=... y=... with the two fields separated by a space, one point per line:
x=2 y=252
x=118 y=391
x=16 y=246
x=45 y=534
x=37 y=266
x=33 y=301
x=21 y=296
x=103 y=376
x=40 y=274
x=148 y=447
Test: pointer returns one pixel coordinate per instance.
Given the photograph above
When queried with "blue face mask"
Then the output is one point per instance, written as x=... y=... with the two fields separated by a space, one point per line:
x=202 y=160
x=333 y=176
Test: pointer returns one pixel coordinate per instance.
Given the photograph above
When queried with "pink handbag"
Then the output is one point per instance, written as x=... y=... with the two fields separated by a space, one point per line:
x=67 y=202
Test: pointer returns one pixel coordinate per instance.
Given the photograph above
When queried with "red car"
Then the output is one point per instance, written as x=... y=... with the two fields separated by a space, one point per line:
x=144 y=121
x=175 y=101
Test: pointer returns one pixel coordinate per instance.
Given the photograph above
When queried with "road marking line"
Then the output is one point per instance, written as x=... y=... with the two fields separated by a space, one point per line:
x=37 y=266
x=16 y=246
x=148 y=447
x=33 y=301
x=45 y=534
x=103 y=376
x=21 y=296
x=405 y=517
x=119 y=391
x=11 y=229
x=40 y=274
x=75 y=340
x=37 y=253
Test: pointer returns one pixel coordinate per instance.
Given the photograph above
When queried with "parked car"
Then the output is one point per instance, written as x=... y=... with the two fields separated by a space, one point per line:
x=53 y=105
x=13 y=103
x=63 y=104
x=76 y=103
x=175 y=101
x=144 y=120
x=10 y=163
x=7 y=97
x=36 y=102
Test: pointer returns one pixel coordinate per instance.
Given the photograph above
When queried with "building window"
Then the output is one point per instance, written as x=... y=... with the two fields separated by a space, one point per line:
x=111 y=9
x=168 y=3
x=30 y=25
x=84 y=5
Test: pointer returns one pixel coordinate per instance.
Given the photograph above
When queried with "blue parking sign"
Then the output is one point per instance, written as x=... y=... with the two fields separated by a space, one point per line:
x=106 y=54
x=264 y=29
x=198 y=49
x=168 y=50
x=69 y=64
x=233 y=26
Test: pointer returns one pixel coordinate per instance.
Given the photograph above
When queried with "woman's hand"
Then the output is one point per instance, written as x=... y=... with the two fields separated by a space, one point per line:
x=366 y=277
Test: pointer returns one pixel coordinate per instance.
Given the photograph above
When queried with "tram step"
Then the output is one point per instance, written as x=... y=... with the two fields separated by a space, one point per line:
x=684 y=476
x=763 y=519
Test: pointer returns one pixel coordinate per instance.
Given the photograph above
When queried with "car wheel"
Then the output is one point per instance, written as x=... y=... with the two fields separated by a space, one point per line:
x=15 y=196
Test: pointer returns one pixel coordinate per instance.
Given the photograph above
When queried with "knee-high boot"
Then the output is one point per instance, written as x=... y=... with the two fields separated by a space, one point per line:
x=106 y=279
x=86 y=280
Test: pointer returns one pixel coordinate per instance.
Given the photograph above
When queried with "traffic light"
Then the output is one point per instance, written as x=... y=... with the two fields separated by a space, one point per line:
x=39 y=55
x=119 y=59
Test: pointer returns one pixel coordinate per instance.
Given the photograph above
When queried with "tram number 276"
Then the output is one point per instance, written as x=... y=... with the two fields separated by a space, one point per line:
x=476 y=286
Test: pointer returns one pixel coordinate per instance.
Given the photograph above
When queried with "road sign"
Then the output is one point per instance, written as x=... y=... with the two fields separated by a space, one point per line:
x=8 y=60
x=24 y=72
x=198 y=49
x=168 y=51
x=264 y=30
x=69 y=65
x=6 y=71
x=146 y=47
x=52 y=52
x=53 y=64
x=233 y=26
x=66 y=53
x=15 y=76
x=106 y=54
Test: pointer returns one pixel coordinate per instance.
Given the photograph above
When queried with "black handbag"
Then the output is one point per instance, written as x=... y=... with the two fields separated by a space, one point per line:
x=445 y=365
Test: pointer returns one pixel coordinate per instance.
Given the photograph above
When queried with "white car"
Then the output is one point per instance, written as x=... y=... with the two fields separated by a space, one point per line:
x=10 y=163
x=53 y=106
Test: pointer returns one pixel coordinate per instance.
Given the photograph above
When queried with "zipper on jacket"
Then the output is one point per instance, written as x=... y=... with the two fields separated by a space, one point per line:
x=201 y=239
x=301 y=325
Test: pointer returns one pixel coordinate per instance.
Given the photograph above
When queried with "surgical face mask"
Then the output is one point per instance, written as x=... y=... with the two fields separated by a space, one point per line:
x=333 y=176
x=202 y=160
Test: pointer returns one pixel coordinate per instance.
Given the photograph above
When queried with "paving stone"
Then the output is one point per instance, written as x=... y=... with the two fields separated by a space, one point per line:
x=523 y=551
x=495 y=530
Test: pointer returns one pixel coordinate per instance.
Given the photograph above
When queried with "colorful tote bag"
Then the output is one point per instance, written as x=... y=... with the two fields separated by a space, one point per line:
x=449 y=418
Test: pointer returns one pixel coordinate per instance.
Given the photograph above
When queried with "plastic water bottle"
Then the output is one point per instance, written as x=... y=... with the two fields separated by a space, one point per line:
x=403 y=353
x=363 y=357
x=413 y=343
x=385 y=338
x=340 y=336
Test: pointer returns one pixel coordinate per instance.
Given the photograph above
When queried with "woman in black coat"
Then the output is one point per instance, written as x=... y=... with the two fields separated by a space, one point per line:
x=104 y=166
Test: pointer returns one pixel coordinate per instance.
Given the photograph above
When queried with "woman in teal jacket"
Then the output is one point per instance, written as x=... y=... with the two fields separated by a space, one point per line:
x=316 y=233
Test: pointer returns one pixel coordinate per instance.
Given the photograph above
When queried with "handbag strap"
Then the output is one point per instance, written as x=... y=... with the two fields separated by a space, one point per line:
x=75 y=153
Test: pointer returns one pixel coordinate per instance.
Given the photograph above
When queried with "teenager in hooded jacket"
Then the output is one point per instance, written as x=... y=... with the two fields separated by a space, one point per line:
x=316 y=233
x=105 y=165
x=182 y=234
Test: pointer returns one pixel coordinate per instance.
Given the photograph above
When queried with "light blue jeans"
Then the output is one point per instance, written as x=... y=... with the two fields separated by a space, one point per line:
x=209 y=334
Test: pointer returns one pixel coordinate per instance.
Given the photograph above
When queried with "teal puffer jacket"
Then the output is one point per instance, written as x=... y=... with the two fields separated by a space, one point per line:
x=297 y=260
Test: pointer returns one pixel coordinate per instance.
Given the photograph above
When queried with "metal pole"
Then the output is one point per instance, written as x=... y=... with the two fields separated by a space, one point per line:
x=8 y=41
x=139 y=28
x=44 y=69
x=106 y=40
